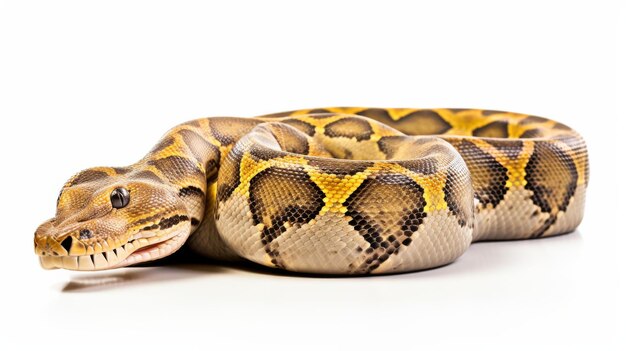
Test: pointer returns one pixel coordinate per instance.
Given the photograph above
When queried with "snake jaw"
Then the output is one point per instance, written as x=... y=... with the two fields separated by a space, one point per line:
x=136 y=250
x=152 y=251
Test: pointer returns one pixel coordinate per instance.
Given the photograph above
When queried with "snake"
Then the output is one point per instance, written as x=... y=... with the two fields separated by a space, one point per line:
x=339 y=191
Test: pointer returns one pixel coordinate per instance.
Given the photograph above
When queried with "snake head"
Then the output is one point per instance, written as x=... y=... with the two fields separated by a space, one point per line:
x=113 y=217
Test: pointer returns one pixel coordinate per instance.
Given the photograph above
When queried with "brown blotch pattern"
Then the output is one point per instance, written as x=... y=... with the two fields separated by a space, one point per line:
x=200 y=148
x=386 y=228
x=122 y=170
x=228 y=130
x=420 y=122
x=349 y=127
x=339 y=167
x=163 y=144
x=290 y=139
x=491 y=112
x=496 y=129
x=146 y=175
x=424 y=165
x=229 y=177
x=489 y=177
x=532 y=119
x=268 y=189
x=377 y=114
x=390 y=144
x=551 y=175
x=262 y=152
x=176 y=168
x=457 y=110
x=319 y=110
x=301 y=126
x=89 y=175
x=463 y=210
x=510 y=147
x=532 y=133
x=191 y=191
x=169 y=222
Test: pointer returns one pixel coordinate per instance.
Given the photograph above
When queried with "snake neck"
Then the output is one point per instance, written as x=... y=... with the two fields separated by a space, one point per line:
x=184 y=161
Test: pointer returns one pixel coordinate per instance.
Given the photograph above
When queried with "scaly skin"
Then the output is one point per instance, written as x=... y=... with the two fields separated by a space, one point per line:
x=334 y=190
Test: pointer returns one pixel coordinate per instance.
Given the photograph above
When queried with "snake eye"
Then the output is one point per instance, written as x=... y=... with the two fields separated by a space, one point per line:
x=120 y=197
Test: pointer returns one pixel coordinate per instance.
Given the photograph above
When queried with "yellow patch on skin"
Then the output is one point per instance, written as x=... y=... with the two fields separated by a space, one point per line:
x=516 y=130
x=336 y=188
x=432 y=184
x=380 y=130
x=348 y=110
x=320 y=123
x=464 y=122
x=249 y=168
x=515 y=166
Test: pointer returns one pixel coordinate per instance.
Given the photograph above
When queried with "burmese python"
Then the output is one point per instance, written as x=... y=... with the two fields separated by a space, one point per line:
x=333 y=190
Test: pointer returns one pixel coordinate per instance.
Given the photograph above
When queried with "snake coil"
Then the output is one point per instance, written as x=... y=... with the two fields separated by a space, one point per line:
x=334 y=191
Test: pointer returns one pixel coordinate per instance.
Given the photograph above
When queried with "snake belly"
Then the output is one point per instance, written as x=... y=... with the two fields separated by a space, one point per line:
x=350 y=190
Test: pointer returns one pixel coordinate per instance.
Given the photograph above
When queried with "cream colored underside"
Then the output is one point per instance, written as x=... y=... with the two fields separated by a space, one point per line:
x=328 y=244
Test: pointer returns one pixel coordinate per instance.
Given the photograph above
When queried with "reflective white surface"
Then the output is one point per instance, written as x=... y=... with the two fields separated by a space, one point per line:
x=559 y=290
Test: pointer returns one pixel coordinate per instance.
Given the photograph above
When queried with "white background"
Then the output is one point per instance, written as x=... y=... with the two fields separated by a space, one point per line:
x=97 y=83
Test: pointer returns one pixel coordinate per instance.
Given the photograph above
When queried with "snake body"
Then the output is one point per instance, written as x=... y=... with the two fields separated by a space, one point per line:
x=335 y=190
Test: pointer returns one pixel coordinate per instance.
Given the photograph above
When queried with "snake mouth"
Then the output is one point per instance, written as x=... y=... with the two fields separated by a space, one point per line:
x=133 y=252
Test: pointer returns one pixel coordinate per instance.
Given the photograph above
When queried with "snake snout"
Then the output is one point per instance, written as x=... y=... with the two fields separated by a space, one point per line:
x=48 y=242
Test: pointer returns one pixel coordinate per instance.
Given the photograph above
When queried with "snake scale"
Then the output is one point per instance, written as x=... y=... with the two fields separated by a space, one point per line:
x=340 y=190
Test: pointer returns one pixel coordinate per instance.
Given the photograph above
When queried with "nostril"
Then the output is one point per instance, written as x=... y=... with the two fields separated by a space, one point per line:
x=67 y=243
x=85 y=234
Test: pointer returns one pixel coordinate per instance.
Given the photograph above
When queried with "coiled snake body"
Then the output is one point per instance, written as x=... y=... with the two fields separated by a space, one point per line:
x=333 y=190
